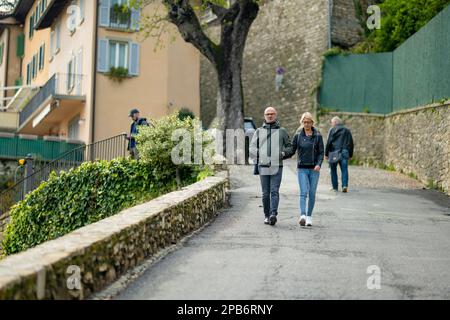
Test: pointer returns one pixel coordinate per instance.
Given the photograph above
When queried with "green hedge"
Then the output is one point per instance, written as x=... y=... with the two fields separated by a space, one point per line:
x=97 y=190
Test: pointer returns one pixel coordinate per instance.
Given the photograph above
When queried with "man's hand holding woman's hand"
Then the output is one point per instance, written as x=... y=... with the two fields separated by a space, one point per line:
x=317 y=168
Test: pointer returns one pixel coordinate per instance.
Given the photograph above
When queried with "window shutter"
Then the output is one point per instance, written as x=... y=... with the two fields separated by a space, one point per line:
x=102 y=60
x=2 y=49
x=58 y=36
x=52 y=43
x=135 y=18
x=43 y=56
x=30 y=34
x=104 y=13
x=20 y=45
x=82 y=5
x=28 y=74
x=134 y=59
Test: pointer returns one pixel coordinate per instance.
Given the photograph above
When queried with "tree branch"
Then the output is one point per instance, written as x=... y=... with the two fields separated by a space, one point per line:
x=183 y=16
x=219 y=11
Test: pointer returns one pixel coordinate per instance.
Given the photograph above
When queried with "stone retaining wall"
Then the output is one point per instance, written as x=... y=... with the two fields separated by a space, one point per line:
x=415 y=142
x=103 y=251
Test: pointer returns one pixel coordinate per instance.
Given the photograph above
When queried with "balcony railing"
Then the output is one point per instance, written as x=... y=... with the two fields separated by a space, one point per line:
x=58 y=85
x=120 y=20
x=108 y=149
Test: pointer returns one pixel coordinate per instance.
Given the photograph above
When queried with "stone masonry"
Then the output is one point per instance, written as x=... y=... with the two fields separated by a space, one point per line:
x=97 y=254
x=415 y=142
x=292 y=34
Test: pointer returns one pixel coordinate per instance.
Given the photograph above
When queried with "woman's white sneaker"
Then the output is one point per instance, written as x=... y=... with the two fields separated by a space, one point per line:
x=302 y=221
x=308 y=221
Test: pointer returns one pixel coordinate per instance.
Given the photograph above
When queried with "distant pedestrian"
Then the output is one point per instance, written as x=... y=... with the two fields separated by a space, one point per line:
x=308 y=144
x=269 y=146
x=279 y=77
x=134 y=130
x=339 y=150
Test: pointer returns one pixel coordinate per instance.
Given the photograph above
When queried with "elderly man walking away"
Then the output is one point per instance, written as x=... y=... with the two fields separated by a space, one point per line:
x=339 y=150
x=269 y=146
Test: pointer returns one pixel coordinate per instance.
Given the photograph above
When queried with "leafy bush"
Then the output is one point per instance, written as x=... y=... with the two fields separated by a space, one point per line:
x=400 y=20
x=155 y=147
x=185 y=113
x=97 y=190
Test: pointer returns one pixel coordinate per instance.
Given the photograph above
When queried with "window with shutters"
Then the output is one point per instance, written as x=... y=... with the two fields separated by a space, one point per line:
x=119 y=15
x=118 y=54
x=114 y=54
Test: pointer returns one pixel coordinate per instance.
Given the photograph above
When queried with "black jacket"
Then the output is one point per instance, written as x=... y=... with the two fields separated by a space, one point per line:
x=310 y=150
x=339 y=138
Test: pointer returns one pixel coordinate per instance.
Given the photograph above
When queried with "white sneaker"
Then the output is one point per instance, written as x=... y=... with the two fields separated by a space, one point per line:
x=302 y=221
x=308 y=221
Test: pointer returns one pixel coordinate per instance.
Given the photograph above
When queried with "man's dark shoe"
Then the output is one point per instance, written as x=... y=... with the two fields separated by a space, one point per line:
x=273 y=220
x=266 y=220
x=344 y=189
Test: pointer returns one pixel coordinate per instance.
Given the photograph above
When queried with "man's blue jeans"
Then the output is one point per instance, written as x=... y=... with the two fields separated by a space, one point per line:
x=271 y=191
x=308 y=179
x=343 y=164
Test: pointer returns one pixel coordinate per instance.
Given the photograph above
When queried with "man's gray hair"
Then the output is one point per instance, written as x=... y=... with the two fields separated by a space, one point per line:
x=337 y=120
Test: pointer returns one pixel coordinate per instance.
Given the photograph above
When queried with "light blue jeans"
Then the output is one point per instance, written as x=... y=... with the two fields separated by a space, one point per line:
x=308 y=179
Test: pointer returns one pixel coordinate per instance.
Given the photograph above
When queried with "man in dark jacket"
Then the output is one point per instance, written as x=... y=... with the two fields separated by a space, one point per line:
x=134 y=130
x=269 y=146
x=339 y=139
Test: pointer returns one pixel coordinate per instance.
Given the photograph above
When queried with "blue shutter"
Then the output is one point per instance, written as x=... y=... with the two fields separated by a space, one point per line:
x=102 y=60
x=104 y=13
x=134 y=59
x=135 y=18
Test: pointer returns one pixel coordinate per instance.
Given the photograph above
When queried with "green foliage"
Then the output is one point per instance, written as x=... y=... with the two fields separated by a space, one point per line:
x=155 y=146
x=81 y=196
x=185 y=113
x=333 y=52
x=400 y=20
x=117 y=74
x=96 y=190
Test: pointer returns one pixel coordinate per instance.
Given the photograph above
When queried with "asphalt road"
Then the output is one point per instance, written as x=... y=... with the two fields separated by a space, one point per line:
x=401 y=231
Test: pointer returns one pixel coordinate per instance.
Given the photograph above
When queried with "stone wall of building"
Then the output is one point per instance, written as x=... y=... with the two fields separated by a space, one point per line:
x=97 y=254
x=292 y=34
x=346 y=28
x=415 y=142
x=418 y=143
x=368 y=133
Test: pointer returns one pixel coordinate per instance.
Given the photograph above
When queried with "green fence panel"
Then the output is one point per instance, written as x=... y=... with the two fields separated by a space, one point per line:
x=16 y=148
x=358 y=83
x=8 y=147
x=417 y=73
x=422 y=65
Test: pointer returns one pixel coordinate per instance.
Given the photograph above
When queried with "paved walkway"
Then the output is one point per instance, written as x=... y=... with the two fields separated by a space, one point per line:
x=402 y=229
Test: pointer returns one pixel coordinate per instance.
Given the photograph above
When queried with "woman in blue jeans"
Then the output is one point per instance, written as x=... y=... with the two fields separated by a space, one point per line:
x=308 y=144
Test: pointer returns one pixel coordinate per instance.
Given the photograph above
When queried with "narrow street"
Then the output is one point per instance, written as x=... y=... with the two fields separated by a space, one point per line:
x=386 y=220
